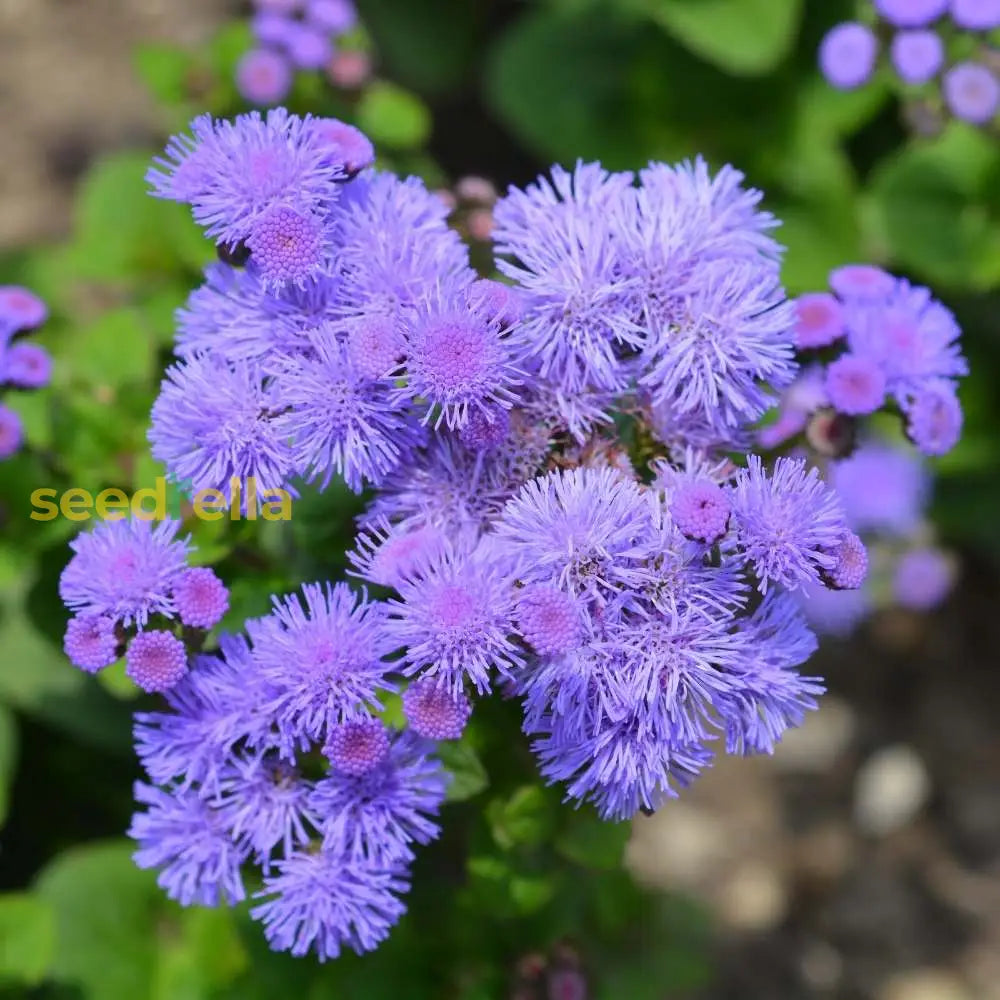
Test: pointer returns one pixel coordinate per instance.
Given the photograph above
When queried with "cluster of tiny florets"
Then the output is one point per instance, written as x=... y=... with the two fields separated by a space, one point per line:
x=23 y=365
x=932 y=45
x=129 y=585
x=291 y=35
x=563 y=504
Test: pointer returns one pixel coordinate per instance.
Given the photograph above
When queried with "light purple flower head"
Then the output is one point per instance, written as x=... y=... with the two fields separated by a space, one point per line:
x=917 y=55
x=324 y=902
x=834 y=612
x=125 y=569
x=287 y=246
x=972 y=92
x=786 y=521
x=11 y=432
x=27 y=366
x=20 y=309
x=90 y=642
x=181 y=835
x=855 y=283
x=883 y=488
x=551 y=621
x=434 y=711
x=321 y=657
x=263 y=76
x=700 y=509
x=200 y=597
x=308 y=46
x=355 y=748
x=334 y=16
x=847 y=55
x=976 y=15
x=214 y=422
x=345 y=144
x=911 y=13
x=819 y=320
x=855 y=384
x=156 y=660
x=934 y=419
x=923 y=579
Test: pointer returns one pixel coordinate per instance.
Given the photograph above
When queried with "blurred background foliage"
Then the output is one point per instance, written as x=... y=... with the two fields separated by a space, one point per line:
x=498 y=89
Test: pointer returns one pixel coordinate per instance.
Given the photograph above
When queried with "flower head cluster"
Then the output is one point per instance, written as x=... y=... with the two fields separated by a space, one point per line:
x=932 y=45
x=23 y=365
x=564 y=505
x=291 y=35
x=875 y=338
x=129 y=585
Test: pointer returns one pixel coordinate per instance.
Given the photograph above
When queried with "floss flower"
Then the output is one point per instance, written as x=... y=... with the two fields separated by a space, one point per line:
x=561 y=504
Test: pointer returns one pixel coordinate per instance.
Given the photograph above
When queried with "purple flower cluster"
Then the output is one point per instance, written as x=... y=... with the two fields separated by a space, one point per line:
x=291 y=35
x=918 y=36
x=130 y=587
x=22 y=365
x=556 y=509
x=872 y=340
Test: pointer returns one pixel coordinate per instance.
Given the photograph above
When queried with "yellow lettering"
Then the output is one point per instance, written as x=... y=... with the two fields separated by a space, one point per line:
x=44 y=508
x=75 y=504
x=109 y=501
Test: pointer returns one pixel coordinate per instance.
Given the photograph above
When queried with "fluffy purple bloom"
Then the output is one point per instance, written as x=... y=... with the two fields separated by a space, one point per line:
x=580 y=529
x=263 y=76
x=882 y=488
x=819 y=320
x=786 y=522
x=459 y=357
x=917 y=55
x=972 y=92
x=338 y=420
x=550 y=620
x=910 y=335
x=345 y=144
x=923 y=579
x=911 y=13
x=286 y=246
x=388 y=555
x=934 y=419
x=214 y=422
x=11 y=432
x=855 y=385
x=486 y=428
x=976 y=15
x=557 y=245
x=27 y=366
x=215 y=706
x=434 y=711
x=700 y=509
x=737 y=336
x=861 y=283
x=200 y=597
x=377 y=815
x=847 y=55
x=307 y=46
x=234 y=172
x=124 y=569
x=184 y=837
x=263 y=803
x=834 y=612
x=90 y=642
x=335 y=16
x=376 y=345
x=20 y=309
x=156 y=660
x=354 y=748
x=322 y=901
x=321 y=656
x=272 y=26
x=452 y=621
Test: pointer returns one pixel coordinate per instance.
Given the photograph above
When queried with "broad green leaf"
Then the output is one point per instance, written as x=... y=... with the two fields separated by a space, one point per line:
x=27 y=937
x=523 y=819
x=8 y=761
x=468 y=776
x=743 y=37
x=112 y=351
x=393 y=117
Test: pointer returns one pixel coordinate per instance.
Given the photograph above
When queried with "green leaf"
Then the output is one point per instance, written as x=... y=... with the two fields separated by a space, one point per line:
x=429 y=44
x=523 y=819
x=393 y=117
x=468 y=776
x=928 y=209
x=27 y=937
x=114 y=350
x=8 y=760
x=592 y=842
x=743 y=37
x=531 y=893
